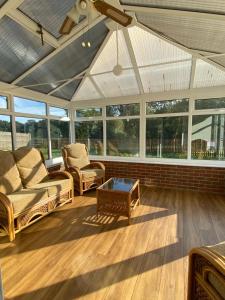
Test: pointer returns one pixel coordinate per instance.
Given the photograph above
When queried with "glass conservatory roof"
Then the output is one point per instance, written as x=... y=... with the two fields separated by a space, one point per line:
x=171 y=45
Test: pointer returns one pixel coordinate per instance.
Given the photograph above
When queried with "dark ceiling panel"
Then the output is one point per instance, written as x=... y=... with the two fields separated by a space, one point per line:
x=19 y=50
x=69 y=62
x=68 y=90
x=50 y=14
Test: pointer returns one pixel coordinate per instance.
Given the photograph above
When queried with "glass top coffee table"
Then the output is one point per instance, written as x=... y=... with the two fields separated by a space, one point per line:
x=118 y=196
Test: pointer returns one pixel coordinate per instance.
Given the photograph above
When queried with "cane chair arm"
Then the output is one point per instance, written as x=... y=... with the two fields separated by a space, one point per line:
x=75 y=173
x=6 y=211
x=6 y=203
x=97 y=165
x=60 y=175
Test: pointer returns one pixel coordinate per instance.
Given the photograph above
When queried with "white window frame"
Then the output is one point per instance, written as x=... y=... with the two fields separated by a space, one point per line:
x=143 y=116
x=89 y=119
x=11 y=112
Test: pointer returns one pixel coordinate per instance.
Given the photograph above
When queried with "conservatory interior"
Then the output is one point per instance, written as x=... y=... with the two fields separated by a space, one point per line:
x=133 y=92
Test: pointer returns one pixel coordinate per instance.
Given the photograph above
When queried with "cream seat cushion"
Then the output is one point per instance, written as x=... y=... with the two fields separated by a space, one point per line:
x=10 y=180
x=91 y=173
x=26 y=199
x=30 y=166
x=54 y=186
x=77 y=155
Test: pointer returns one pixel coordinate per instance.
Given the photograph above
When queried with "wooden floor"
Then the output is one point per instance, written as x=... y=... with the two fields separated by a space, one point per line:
x=71 y=255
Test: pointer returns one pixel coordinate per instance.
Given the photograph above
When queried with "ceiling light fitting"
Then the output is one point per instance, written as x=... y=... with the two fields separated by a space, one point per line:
x=118 y=69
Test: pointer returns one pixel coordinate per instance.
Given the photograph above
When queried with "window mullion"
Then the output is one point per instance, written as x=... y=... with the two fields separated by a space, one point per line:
x=13 y=122
x=189 y=140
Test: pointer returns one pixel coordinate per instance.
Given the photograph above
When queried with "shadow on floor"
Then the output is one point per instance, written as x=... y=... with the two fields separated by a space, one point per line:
x=98 y=279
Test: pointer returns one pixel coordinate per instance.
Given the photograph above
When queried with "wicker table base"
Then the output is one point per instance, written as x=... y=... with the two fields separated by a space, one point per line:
x=118 y=196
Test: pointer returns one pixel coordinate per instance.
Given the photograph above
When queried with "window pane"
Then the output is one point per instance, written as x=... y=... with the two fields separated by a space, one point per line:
x=5 y=133
x=29 y=106
x=208 y=137
x=60 y=136
x=58 y=111
x=123 y=137
x=167 y=137
x=3 y=102
x=167 y=106
x=123 y=110
x=91 y=134
x=32 y=132
x=88 y=112
x=210 y=103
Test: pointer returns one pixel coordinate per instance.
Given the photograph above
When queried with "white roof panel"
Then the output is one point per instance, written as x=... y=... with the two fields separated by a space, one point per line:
x=150 y=49
x=116 y=86
x=87 y=91
x=168 y=77
x=208 y=75
x=108 y=57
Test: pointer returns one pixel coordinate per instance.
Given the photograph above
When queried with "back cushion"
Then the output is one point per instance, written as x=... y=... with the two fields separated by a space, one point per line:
x=10 y=180
x=77 y=155
x=30 y=166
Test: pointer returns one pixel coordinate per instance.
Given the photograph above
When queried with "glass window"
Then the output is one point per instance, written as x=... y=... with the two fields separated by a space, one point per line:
x=91 y=134
x=167 y=137
x=58 y=111
x=5 y=133
x=32 y=132
x=3 y=102
x=167 y=106
x=60 y=136
x=210 y=103
x=208 y=137
x=123 y=137
x=88 y=112
x=29 y=106
x=123 y=110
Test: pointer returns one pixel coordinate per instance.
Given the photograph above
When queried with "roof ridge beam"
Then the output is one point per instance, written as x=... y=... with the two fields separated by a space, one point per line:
x=60 y=48
x=91 y=65
x=182 y=47
x=8 y=6
x=30 y=25
x=192 y=75
x=67 y=82
x=133 y=60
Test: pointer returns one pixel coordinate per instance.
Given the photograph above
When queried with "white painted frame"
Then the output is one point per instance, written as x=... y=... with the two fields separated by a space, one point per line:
x=11 y=112
x=143 y=99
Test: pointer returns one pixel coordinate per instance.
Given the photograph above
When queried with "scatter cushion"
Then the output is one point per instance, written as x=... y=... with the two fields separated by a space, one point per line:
x=26 y=199
x=10 y=180
x=91 y=173
x=77 y=155
x=30 y=165
x=54 y=186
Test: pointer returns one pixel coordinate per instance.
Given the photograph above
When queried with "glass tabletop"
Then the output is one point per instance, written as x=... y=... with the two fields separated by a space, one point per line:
x=119 y=184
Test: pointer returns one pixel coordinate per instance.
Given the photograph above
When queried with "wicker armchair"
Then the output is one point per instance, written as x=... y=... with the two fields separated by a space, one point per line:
x=207 y=273
x=27 y=191
x=86 y=175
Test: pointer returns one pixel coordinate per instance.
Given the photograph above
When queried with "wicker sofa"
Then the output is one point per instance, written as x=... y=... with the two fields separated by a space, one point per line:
x=86 y=174
x=27 y=191
x=207 y=273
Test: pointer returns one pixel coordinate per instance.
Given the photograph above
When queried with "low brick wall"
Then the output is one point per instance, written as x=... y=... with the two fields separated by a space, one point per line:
x=204 y=179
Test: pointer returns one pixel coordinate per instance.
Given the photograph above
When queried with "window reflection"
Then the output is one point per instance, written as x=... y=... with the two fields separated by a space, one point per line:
x=32 y=132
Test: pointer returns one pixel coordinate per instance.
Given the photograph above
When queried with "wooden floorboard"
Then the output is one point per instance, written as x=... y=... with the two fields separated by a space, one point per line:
x=71 y=254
